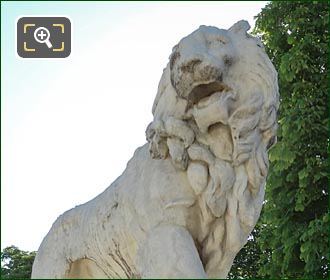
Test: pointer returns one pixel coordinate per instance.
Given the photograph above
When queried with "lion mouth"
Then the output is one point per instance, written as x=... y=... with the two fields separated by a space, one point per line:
x=202 y=91
x=210 y=103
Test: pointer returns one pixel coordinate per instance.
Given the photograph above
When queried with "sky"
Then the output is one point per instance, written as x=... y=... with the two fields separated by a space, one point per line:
x=69 y=126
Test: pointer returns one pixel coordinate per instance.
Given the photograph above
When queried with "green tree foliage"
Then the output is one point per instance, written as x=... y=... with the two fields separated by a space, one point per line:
x=294 y=226
x=16 y=264
x=246 y=263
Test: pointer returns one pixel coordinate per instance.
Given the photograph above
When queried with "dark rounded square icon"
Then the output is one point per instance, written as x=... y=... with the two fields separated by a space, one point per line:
x=43 y=37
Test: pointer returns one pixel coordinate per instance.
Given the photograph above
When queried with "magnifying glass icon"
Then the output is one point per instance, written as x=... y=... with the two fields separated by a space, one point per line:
x=41 y=35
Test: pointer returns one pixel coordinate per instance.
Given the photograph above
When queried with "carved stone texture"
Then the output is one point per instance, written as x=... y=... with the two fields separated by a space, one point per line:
x=190 y=197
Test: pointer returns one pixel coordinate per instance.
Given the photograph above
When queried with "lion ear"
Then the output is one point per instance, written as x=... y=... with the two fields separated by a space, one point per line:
x=240 y=27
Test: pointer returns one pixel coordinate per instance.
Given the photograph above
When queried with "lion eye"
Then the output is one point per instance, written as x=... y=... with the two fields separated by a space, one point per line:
x=222 y=39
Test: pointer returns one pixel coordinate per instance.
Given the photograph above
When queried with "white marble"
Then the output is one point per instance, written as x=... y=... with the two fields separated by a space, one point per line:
x=189 y=198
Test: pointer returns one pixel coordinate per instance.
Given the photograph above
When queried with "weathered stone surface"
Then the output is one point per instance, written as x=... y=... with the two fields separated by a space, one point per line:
x=189 y=198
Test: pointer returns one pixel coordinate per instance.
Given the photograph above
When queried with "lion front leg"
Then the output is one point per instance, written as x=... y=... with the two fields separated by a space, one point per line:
x=169 y=252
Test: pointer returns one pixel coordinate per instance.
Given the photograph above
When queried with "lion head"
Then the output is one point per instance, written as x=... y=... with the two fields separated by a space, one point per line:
x=215 y=116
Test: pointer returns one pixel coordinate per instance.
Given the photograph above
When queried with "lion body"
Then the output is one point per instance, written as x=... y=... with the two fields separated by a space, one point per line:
x=118 y=220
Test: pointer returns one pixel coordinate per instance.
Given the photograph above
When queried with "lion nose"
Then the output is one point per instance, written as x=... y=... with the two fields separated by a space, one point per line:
x=190 y=66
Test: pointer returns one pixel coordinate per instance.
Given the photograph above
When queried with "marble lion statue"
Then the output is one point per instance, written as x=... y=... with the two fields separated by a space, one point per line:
x=189 y=198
